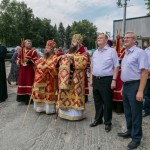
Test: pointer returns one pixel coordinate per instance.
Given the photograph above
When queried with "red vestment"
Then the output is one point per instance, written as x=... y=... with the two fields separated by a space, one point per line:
x=46 y=80
x=117 y=95
x=26 y=73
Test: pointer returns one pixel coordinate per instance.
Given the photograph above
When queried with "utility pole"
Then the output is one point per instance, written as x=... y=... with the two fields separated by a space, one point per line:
x=124 y=18
x=124 y=5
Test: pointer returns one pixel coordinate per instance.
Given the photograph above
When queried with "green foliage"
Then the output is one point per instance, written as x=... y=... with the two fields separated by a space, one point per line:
x=87 y=30
x=61 y=35
x=147 y=2
x=41 y=31
x=68 y=36
x=17 y=21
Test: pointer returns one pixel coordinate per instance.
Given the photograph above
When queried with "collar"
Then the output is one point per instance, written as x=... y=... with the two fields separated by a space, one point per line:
x=104 y=48
x=148 y=48
x=131 y=49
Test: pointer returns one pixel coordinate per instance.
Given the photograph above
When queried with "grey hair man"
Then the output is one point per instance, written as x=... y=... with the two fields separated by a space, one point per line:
x=134 y=76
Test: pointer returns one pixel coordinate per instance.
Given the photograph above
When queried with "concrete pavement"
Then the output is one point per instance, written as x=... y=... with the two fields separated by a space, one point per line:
x=40 y=131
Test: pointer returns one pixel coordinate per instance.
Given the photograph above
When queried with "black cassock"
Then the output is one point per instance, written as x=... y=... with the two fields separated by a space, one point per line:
x=3 y=84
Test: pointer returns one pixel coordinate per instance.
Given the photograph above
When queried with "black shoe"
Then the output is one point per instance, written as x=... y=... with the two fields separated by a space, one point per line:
x=95 y=123
x=133 y=145
x=124 y=135
x=107 y=128
x=9 y=82
x=146 y=114
x=27 y=102
x=86 y=98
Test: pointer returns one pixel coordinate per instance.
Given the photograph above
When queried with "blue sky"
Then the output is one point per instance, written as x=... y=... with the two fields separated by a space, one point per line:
x=100 y=12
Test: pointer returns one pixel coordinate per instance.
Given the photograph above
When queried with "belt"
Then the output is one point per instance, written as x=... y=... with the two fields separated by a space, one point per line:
x=132 y=81
x=99 y=77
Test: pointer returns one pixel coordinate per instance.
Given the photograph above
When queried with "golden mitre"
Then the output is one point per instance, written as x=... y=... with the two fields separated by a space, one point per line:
x=77 y=38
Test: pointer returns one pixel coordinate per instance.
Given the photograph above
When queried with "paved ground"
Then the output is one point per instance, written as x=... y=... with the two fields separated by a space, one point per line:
x=41 y=133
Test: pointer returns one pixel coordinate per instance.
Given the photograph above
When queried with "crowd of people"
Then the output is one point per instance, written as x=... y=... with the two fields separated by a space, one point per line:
x=57 y=83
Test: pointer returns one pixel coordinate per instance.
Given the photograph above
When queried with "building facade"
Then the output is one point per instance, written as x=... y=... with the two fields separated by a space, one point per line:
x=139 y=25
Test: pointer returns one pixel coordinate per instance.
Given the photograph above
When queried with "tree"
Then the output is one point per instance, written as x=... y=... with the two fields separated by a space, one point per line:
x=68 y=36
x=88 y=30
x=148 y=6
x=41 y=31
x=15 y=19
x=61 y=35
x=55 y=33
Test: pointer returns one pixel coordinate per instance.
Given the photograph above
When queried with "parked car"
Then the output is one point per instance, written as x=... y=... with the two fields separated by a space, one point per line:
x=10 y=52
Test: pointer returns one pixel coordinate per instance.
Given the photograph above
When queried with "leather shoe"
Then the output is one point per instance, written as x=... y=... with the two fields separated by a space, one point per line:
x=124 y=135
x=146 y=114
x=107 y=128
x=95 y=123
x=133 y=145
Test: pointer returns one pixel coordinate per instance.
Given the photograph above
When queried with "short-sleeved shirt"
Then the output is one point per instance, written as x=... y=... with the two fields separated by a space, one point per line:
x=134 y=60
x=104 y=61
x=147 y=50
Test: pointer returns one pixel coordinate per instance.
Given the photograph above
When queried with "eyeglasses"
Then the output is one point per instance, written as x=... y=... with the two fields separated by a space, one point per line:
x=127 y=38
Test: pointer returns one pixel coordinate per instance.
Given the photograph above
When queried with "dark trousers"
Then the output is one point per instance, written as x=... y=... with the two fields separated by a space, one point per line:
x=146 y=105
x=132 y=110
x=103 y=99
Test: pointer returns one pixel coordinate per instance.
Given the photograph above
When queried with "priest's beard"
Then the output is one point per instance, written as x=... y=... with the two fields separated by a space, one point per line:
x=73 y=48
x=48 y=54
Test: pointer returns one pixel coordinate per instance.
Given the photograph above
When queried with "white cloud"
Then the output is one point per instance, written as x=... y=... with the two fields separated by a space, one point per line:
x=105 y=23
x=136 y=11
x=67 y=11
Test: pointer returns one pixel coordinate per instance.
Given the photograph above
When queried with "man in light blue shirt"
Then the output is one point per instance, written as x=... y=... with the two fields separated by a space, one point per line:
x=146 y=105
x=103 y=76
x=134 y=76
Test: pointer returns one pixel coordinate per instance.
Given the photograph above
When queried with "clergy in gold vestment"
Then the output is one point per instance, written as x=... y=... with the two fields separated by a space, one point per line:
x=71 y=97
x=46 y=81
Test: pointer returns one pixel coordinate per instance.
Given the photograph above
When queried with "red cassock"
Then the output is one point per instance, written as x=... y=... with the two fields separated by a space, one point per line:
x=26 y=73
x=117 y=92
x=117 y=96
x=82 y=50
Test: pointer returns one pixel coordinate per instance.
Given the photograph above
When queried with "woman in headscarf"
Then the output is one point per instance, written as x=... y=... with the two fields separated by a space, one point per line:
x=13 y=75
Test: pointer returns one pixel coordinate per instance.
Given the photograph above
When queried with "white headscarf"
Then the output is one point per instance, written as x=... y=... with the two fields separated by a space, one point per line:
x=17 y=47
